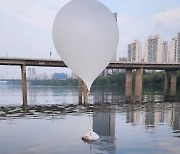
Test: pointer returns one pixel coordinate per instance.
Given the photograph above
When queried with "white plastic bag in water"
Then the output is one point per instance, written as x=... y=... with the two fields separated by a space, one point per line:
x=91 y=136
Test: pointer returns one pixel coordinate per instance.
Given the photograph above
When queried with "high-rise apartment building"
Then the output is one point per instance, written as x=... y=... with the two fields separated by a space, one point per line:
x=135 y=51
x=153 y=49
x=174 y=49
x=165 y=52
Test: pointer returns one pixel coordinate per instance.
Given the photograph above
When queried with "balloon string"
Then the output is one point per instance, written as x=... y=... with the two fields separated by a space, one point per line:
x=90 y=116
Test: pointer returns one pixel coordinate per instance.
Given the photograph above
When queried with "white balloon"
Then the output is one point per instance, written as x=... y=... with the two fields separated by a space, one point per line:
x=86 y=36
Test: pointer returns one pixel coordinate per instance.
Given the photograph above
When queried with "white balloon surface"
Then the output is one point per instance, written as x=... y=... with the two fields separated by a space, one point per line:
x=86 y=36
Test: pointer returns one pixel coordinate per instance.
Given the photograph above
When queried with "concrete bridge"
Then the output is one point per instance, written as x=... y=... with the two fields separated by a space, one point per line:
x=114 y=65
x=129 y=67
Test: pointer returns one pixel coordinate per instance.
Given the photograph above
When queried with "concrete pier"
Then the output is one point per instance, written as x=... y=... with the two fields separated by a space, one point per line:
x=166 y=84
x=85 y=95
x=173 y=83
x=80 y=90
x=138 y=85
x=129 y=66
x=24 y=86
x=128 y=91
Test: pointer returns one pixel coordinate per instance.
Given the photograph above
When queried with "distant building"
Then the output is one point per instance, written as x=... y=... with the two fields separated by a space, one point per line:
x=135 y=51
x=122 y=59
x=42 y=76
x=165 y=52
x=174 y=49
x=59 y=76
x=104 y=73
x=3 y=82
x=153 y=49
x=74 y=76
x=31 y=73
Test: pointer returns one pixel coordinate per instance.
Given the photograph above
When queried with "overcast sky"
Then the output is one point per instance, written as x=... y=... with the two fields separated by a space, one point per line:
x=26 y=26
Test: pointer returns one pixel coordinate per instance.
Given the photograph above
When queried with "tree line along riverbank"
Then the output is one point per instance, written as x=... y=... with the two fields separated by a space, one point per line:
x=117 y=79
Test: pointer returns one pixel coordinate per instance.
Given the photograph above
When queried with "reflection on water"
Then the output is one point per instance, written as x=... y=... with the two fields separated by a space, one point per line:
x=111 y=122
x=69 y=95
x=53 y=124
x=38 y=95
x=104 y=125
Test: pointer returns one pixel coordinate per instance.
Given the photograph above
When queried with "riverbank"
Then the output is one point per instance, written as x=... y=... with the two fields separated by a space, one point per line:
x=116 y=79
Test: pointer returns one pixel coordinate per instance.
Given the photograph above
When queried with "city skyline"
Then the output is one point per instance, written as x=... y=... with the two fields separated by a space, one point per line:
x=26 y=26
x=156 y=50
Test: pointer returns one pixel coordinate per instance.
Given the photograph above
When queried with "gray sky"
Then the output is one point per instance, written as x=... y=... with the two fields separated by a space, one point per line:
x=26 y=26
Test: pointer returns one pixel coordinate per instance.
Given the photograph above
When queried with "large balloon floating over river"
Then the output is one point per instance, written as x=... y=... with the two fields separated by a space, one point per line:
x=86 y=36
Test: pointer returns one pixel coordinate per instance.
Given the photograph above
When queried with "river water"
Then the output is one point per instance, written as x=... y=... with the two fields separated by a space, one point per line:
x=55 y=122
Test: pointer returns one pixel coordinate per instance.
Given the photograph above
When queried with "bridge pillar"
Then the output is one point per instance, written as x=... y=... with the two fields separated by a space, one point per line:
x=80 y=83
x=24 y=86
x=166 y=84
x=85 y=90
x=138 y=85
x=128 y=91
x=173 y=83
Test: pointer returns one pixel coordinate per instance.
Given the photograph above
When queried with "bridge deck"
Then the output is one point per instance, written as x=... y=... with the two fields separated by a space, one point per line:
x=114 y=65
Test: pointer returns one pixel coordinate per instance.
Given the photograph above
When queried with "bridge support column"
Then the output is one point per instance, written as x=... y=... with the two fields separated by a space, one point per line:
x=24 y=86
x=128 y=91
x=138 y=85
x=85 y=90
x=80 y=83
x=166 y=84
x=173 y=83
